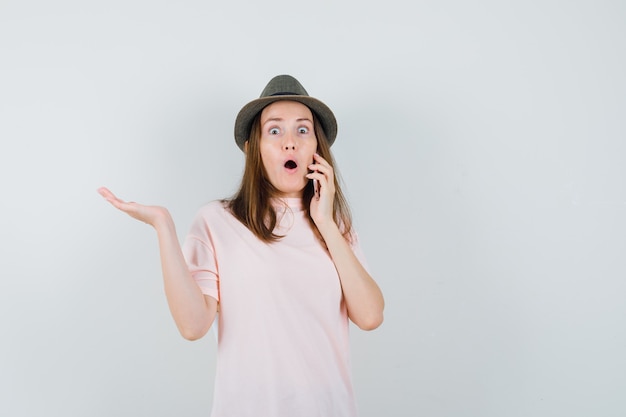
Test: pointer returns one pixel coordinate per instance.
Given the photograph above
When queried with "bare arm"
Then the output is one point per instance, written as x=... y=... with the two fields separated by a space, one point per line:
x=193 y=312
x=362 y=295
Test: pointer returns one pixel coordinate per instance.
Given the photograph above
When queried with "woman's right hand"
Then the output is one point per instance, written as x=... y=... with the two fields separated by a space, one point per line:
x=152 y=215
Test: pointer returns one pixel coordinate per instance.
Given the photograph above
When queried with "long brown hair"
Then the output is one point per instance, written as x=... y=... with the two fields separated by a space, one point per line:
x=251 y=205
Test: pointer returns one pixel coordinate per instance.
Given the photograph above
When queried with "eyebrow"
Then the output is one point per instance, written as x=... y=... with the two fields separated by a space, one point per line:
x=280 y=119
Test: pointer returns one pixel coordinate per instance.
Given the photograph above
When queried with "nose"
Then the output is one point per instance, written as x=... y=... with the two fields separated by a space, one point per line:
x=289 y=144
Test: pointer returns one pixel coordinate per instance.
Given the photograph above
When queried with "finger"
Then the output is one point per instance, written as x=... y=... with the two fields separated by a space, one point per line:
x=109 y=196
x=318 y=161
x=317 y=175
x=116 y=202
x=324 y=184
x=106 y=193
x=321 y=172
x=326 y=170
x=317 y=157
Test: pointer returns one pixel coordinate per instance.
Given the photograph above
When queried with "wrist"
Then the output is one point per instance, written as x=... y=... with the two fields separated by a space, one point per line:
x=327 y=228
x=162 y=220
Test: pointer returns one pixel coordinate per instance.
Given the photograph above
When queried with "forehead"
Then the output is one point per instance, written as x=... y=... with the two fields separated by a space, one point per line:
x=286 y=109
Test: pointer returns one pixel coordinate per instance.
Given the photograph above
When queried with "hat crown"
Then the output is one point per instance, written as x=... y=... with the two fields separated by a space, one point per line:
x=283 y=85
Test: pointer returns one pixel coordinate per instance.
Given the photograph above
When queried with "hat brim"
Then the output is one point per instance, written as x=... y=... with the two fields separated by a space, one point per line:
x=243 y=122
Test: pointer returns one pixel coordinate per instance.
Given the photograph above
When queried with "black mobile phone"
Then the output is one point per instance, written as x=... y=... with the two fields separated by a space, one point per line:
x=316 y=186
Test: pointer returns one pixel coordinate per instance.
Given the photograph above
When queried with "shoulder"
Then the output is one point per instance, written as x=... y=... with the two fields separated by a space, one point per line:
x=212 y=212
x=215 y=221
x=214 y=207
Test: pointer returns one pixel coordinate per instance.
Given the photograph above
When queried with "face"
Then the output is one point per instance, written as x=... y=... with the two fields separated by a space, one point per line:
x=287 y=145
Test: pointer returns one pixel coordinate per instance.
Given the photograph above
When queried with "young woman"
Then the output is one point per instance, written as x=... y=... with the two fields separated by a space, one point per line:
x=280 y=262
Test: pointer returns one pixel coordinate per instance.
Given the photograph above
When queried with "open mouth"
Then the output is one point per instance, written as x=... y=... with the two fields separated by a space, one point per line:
x=291 y=164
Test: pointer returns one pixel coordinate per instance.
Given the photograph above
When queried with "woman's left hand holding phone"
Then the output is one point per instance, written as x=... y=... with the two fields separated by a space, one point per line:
x=322 y=202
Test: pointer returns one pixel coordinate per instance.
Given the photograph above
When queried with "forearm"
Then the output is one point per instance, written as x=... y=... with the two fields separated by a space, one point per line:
x=192 y=311
x=364 y=299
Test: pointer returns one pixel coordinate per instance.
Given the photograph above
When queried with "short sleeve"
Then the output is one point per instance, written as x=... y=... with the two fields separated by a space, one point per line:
x=199 y=255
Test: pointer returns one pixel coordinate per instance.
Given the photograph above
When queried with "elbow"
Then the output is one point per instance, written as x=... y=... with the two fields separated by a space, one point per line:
x=369 y=318
x=192 y=334
x=194 y=327
x=371 y=322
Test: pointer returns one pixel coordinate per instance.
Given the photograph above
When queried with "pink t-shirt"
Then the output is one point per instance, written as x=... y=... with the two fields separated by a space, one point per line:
x=283 y=343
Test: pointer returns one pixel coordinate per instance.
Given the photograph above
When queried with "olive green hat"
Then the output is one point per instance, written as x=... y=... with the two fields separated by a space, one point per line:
x=283 y=87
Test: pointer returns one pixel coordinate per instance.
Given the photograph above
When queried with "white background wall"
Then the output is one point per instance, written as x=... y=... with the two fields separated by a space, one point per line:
x=482 y=145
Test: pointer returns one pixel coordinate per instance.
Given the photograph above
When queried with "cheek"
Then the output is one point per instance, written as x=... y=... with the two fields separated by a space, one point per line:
x=268 y=157
x=312 y=147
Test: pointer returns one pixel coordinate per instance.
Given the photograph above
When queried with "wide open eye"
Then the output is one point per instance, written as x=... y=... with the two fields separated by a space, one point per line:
x=274 y=131
x=303 y=130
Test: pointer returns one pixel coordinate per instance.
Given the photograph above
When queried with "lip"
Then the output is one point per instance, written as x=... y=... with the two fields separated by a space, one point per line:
x=291 y=170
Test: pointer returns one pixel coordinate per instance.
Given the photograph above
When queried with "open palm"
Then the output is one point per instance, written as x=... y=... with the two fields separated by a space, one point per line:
x=147 y=214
